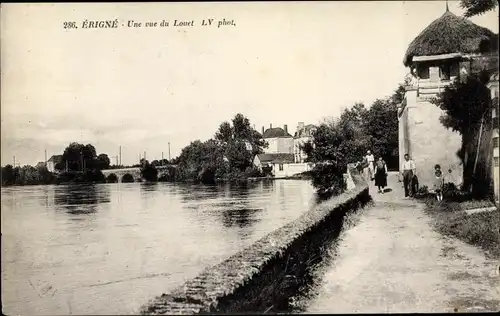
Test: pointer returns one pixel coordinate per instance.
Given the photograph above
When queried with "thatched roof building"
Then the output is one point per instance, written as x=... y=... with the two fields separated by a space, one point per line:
x=451 y=34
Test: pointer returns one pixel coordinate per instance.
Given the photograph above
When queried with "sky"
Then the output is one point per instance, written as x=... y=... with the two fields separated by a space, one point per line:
x=141 y=88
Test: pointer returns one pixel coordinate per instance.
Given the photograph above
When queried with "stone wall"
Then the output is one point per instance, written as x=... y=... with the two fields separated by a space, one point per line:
x=262 y=277
x=429 y=142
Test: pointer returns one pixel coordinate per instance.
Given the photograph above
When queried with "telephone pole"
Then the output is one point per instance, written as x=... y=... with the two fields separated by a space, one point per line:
x=169 y=151
x=120 y=156
x=81 y=160
x=144 y=155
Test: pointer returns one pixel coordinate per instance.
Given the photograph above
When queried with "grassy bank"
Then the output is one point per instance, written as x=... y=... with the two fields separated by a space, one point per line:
x=478 y=229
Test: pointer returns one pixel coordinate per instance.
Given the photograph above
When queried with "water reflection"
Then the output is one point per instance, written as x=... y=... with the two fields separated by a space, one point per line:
x=148 y=187
x=240 y=217
x=197 y=192
x=81 y=199
x=152 y=236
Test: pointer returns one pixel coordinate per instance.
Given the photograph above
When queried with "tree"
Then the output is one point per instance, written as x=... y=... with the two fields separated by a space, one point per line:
x=77 y=156
x=327 y=152
x=467 y=110
x=161 y=162
x=225 y=133
x=345 y=140
x=45 y=176
x=8 y=176
x=148 y=171
x=381 y=124
x=200 y=161
x=477 y=7
x=103 y=162
x=240 y=142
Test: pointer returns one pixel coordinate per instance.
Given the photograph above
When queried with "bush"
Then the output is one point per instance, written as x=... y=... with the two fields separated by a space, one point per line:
x=328 y=179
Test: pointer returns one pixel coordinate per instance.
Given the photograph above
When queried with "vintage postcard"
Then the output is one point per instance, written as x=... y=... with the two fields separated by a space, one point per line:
x=250 y=157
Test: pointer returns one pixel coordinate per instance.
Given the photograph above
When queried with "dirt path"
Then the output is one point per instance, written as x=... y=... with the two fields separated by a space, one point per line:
x=393 y=261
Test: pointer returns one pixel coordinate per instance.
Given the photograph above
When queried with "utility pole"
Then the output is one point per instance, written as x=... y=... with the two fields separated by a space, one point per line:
x=120 y=156
x=45 y=157
x=161 y=158
x=168 y=151
x=144 y=155
x=81 y=159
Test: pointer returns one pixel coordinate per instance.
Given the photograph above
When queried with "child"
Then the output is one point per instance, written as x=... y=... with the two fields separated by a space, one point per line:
x=438 y=182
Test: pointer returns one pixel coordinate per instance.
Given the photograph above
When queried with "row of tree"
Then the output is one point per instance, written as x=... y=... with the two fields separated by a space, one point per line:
x=228 y=155
x=337 y=142
x=79 y=163
x=26 y=175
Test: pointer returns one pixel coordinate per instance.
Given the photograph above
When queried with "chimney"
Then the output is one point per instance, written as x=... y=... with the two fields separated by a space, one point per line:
x=262 y=130
x=285 y=127
x=271 y=125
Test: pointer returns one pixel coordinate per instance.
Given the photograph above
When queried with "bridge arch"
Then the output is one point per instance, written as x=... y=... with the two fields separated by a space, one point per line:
x=127 y=178
x=112 y=178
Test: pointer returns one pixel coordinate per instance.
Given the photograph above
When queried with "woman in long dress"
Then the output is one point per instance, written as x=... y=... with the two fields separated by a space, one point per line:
x=381 y=175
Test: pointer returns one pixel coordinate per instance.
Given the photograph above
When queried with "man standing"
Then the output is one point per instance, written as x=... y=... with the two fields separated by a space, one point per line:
x=409 y=171
x=371 y=161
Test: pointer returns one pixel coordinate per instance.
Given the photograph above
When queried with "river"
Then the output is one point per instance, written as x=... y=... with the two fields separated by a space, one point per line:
x=109 y=248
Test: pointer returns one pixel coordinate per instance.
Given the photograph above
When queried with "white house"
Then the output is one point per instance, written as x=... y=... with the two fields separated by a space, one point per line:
x=302 y=136
x=280 y=165
x=52 y=162
x=279 y=140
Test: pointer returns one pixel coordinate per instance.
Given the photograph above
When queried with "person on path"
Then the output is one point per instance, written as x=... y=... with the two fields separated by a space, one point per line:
x=381 y=175
x=438 y=182
x=409 y=171
x=371 y=161
x=364 y=167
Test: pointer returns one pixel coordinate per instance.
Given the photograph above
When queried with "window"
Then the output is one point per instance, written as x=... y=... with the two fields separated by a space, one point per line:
x=496 y=161
x=495 y=142
x=423 y=72
x=281 y=167
x=444 y=72
x=454 y=69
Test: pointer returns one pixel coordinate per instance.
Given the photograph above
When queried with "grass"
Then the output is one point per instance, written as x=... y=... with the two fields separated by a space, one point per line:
x=478 y=229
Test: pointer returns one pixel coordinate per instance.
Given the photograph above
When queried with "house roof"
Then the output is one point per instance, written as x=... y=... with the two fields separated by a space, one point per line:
x=56 y=158
x=306 y=131
x=275 y=132
x=451 y=34
x=276 y=158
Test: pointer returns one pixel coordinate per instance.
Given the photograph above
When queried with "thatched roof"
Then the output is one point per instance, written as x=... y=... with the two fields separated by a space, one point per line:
x=450 y=34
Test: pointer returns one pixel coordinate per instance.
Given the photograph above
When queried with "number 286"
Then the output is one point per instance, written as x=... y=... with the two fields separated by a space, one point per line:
x=69 y=25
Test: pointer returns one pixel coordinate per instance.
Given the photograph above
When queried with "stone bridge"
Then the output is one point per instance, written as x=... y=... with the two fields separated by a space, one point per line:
x=132 y=174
